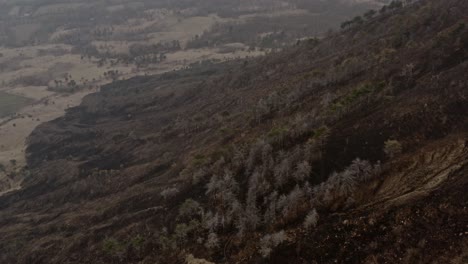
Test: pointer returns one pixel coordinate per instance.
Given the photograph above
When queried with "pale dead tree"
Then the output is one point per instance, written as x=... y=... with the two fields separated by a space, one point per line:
x=249 y=220
x=255 y=155
x=235 y=212
x=309 y=152
x=408 y=70
x=238 y=159
x=327 y=99
x=318 y=145
x=229 y=186
x=212 y=241
x=190 y=259
x=169 y=192
x=267 y=159
x=241 y=225
x=261 y=109
x=300 y=125
x=270 y=241
x=297 y=155
x=190 y=208
x=303 y=171
x=258 y=185
x=224 y=188
x=308 y=190
x=292 y=202
x=267 y=152
x=212 y=221
x=328 y=196
x=254 y=183
x=311 y=219
x=270 y=213
x=282 y=203
x=363 y=170
x=268 y=167
x=218 y=166
x=213 y=185
x=350 y=202
x=345 y=183
x=252 y=215
x=199 y=175
x=282 y=172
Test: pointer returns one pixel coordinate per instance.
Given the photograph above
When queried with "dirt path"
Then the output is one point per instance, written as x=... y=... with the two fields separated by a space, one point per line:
x=423 y=173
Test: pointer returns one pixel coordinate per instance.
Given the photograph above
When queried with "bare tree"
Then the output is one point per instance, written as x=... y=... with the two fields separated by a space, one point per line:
x=311 y=219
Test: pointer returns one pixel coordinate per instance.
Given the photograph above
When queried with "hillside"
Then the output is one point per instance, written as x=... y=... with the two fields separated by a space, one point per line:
x=348 y=149
x=54 y=52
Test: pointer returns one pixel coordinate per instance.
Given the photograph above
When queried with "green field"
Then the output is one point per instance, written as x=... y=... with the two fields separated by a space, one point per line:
x=10 y=104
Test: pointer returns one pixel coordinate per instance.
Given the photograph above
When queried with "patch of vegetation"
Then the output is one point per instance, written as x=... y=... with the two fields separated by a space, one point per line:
x=226 y=130
x=392 y=148
x=199 y=160
x=137 y=242
x=357 y=94
x=181 y=234
x=277 y=132
x=112 y=246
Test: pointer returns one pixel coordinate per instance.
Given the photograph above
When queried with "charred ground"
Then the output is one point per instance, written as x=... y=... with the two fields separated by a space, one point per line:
x=156 y=168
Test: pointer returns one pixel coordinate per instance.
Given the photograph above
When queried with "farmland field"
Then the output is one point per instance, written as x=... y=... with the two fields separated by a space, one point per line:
x=10 y=104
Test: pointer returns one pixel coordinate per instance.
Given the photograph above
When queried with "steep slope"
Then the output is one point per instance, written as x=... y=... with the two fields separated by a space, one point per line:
x=235 y=162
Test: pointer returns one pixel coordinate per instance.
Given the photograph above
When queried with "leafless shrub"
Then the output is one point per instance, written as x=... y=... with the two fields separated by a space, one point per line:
x=190 y=209
x=303 y=171
x=212 y=241
x=190 y=259
x=311 y=219
x=169 y=193
x=269 y=242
